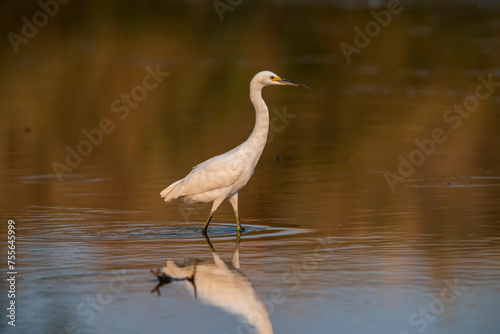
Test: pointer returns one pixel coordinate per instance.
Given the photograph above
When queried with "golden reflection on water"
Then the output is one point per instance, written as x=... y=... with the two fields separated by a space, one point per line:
x=323 y=172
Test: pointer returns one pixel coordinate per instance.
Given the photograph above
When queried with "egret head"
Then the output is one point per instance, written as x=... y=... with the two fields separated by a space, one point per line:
x=268 y=78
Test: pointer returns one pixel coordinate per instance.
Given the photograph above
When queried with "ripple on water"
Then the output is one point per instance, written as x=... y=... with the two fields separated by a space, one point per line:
x=455 y=182
x=220 y=231
x=53 y=179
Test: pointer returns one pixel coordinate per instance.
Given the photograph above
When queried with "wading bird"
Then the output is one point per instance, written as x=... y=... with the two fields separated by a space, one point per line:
x=222 y=176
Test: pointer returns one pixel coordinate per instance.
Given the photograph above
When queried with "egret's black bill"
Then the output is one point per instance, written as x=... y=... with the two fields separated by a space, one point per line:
x=291 y=83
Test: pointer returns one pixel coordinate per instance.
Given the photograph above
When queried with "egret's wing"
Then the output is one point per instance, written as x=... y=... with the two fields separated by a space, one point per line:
x=216 y=173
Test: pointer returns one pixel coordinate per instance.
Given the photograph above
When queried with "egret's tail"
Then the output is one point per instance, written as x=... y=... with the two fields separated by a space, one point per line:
x=172 y=191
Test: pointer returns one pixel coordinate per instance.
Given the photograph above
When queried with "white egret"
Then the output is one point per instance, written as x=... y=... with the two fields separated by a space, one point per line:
x=222 y=176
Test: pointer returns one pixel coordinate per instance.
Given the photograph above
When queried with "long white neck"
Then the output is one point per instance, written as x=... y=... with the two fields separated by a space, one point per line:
x=257 y=140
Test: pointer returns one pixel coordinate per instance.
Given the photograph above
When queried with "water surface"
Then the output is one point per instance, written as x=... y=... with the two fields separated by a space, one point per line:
x=333 y=241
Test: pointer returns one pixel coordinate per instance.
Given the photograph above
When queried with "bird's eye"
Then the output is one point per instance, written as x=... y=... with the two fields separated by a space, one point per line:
x=272 y=77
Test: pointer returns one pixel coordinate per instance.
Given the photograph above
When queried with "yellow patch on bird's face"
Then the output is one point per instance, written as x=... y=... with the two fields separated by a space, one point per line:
x=274 y=78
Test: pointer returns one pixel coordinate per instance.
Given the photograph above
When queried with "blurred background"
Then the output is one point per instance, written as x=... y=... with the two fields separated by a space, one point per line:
x=170 y=80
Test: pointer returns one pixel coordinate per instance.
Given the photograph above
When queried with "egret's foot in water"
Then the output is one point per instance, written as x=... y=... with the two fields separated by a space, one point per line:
x=239 y=231
x=204 y=228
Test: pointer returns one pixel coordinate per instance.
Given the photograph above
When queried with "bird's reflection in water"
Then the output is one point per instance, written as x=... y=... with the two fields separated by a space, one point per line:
x=220 y=284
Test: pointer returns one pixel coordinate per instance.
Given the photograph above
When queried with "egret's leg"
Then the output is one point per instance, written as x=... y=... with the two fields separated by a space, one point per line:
x=214 y=207
x=204 y=229
x=234 y=202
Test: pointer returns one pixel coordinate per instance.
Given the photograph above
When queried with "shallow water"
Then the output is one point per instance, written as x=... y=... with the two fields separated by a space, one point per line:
x=332 y=242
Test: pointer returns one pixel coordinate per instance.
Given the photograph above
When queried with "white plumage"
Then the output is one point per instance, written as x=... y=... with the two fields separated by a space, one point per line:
x=221 y=177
